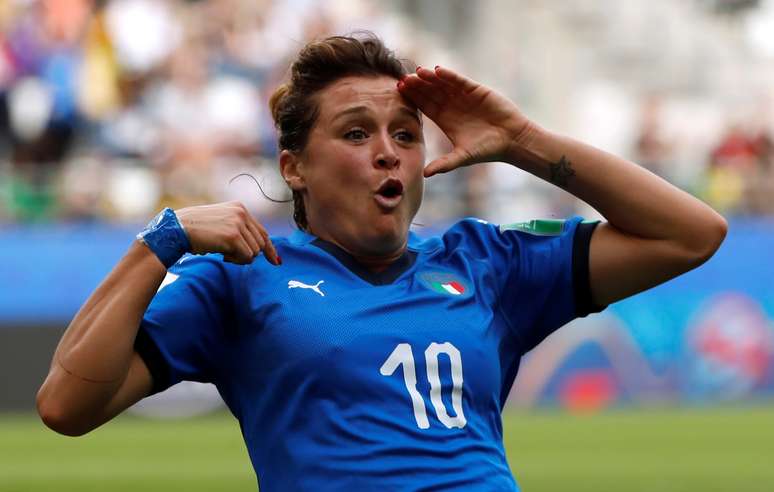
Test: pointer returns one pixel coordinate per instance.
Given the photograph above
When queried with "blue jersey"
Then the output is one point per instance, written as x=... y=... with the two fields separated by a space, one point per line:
x=343 y=379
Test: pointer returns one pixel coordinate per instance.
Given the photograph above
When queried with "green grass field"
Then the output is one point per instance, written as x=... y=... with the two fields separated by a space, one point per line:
x=730 y=449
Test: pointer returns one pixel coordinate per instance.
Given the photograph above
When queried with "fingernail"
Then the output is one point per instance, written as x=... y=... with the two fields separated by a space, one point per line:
x=437 y=67
x=401 y=85
x=418 y=68
x=279 y=260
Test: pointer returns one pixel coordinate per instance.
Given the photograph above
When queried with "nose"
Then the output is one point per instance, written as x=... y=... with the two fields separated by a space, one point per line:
x=385 y=155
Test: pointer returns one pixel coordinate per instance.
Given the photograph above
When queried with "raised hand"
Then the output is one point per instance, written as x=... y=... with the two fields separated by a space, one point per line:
x=481 y=124
x=227 y=228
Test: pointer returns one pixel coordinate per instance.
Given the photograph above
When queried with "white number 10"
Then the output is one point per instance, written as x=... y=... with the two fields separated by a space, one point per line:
x=403 y=355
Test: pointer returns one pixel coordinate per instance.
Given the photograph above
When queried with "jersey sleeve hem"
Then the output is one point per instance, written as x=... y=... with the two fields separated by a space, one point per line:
x=584 y=305
x=147 y=349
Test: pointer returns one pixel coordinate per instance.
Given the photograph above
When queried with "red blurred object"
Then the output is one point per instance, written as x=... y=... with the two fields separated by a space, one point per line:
x=588 y=391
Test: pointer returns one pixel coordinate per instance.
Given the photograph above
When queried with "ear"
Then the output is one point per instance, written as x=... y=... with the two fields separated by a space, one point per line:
x=291 y=169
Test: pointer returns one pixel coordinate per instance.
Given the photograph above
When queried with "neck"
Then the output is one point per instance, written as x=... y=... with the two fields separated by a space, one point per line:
x=373 y=261
x=378 y=263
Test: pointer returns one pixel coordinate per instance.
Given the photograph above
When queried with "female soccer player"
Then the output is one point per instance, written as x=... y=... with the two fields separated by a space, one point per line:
x=366 y=358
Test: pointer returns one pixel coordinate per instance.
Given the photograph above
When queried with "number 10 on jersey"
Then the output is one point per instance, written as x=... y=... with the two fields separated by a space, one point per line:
x=403 y=355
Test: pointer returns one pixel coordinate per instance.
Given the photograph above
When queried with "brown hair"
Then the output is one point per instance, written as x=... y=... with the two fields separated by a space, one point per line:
x=294 y=106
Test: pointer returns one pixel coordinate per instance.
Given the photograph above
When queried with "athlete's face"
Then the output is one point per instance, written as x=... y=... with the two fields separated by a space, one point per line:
x=361 y=171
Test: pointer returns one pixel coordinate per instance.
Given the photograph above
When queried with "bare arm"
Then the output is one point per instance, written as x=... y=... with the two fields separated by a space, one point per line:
x=654 y=231
x=95 y=373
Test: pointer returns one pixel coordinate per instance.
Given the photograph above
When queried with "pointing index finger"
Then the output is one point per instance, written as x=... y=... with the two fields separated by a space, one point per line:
x=269 y=251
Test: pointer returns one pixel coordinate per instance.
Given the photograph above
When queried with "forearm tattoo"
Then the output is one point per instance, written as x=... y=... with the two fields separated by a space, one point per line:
x=561 y=172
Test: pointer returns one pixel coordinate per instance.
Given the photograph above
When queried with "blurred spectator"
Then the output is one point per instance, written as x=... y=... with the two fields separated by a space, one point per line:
x=653 y=150
x=43 y=55
x=736 y=150
x=761 y=182
x=740 y=177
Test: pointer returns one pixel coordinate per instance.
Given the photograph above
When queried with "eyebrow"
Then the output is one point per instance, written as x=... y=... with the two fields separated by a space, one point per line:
x=365 y=109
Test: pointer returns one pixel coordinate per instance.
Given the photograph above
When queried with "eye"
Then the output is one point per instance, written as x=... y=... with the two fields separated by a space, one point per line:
x=405 y=136
x=356 y=134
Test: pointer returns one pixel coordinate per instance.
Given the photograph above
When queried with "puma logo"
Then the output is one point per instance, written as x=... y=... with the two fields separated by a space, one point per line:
x=294 y=284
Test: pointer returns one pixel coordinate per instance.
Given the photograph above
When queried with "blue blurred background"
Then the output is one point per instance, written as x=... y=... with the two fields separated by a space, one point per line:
x=111 y=110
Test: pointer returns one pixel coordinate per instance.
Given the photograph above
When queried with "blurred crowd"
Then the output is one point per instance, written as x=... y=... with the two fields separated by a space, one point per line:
x=737 y=175
x=114 y=109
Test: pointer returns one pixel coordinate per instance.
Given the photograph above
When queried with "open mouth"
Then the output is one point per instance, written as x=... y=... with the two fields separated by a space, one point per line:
x=390 y=188
x=389 y=193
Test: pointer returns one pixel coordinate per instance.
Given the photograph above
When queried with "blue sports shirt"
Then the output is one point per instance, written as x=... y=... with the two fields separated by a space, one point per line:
x=343 y=379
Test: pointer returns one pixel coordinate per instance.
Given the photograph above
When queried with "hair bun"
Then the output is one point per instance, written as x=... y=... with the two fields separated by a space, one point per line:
x=276 y=102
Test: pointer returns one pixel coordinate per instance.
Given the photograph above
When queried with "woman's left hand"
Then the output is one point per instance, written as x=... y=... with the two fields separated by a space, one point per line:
x=481 y=124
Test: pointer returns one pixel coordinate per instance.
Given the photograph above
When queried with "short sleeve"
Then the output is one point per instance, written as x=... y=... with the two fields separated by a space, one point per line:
x=546 y=280
x=541 y=271
x=182 y=332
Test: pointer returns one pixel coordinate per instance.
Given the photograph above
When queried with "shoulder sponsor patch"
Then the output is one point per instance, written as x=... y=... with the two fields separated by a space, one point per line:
x=538 y=227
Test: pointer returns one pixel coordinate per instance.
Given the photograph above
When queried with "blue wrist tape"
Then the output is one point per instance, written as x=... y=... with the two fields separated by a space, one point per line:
x=166 y=237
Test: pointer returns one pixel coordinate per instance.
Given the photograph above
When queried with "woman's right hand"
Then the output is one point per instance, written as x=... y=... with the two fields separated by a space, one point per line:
x=227 y=228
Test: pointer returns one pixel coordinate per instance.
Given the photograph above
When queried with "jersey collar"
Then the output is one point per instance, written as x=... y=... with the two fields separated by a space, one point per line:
x=385 y=277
